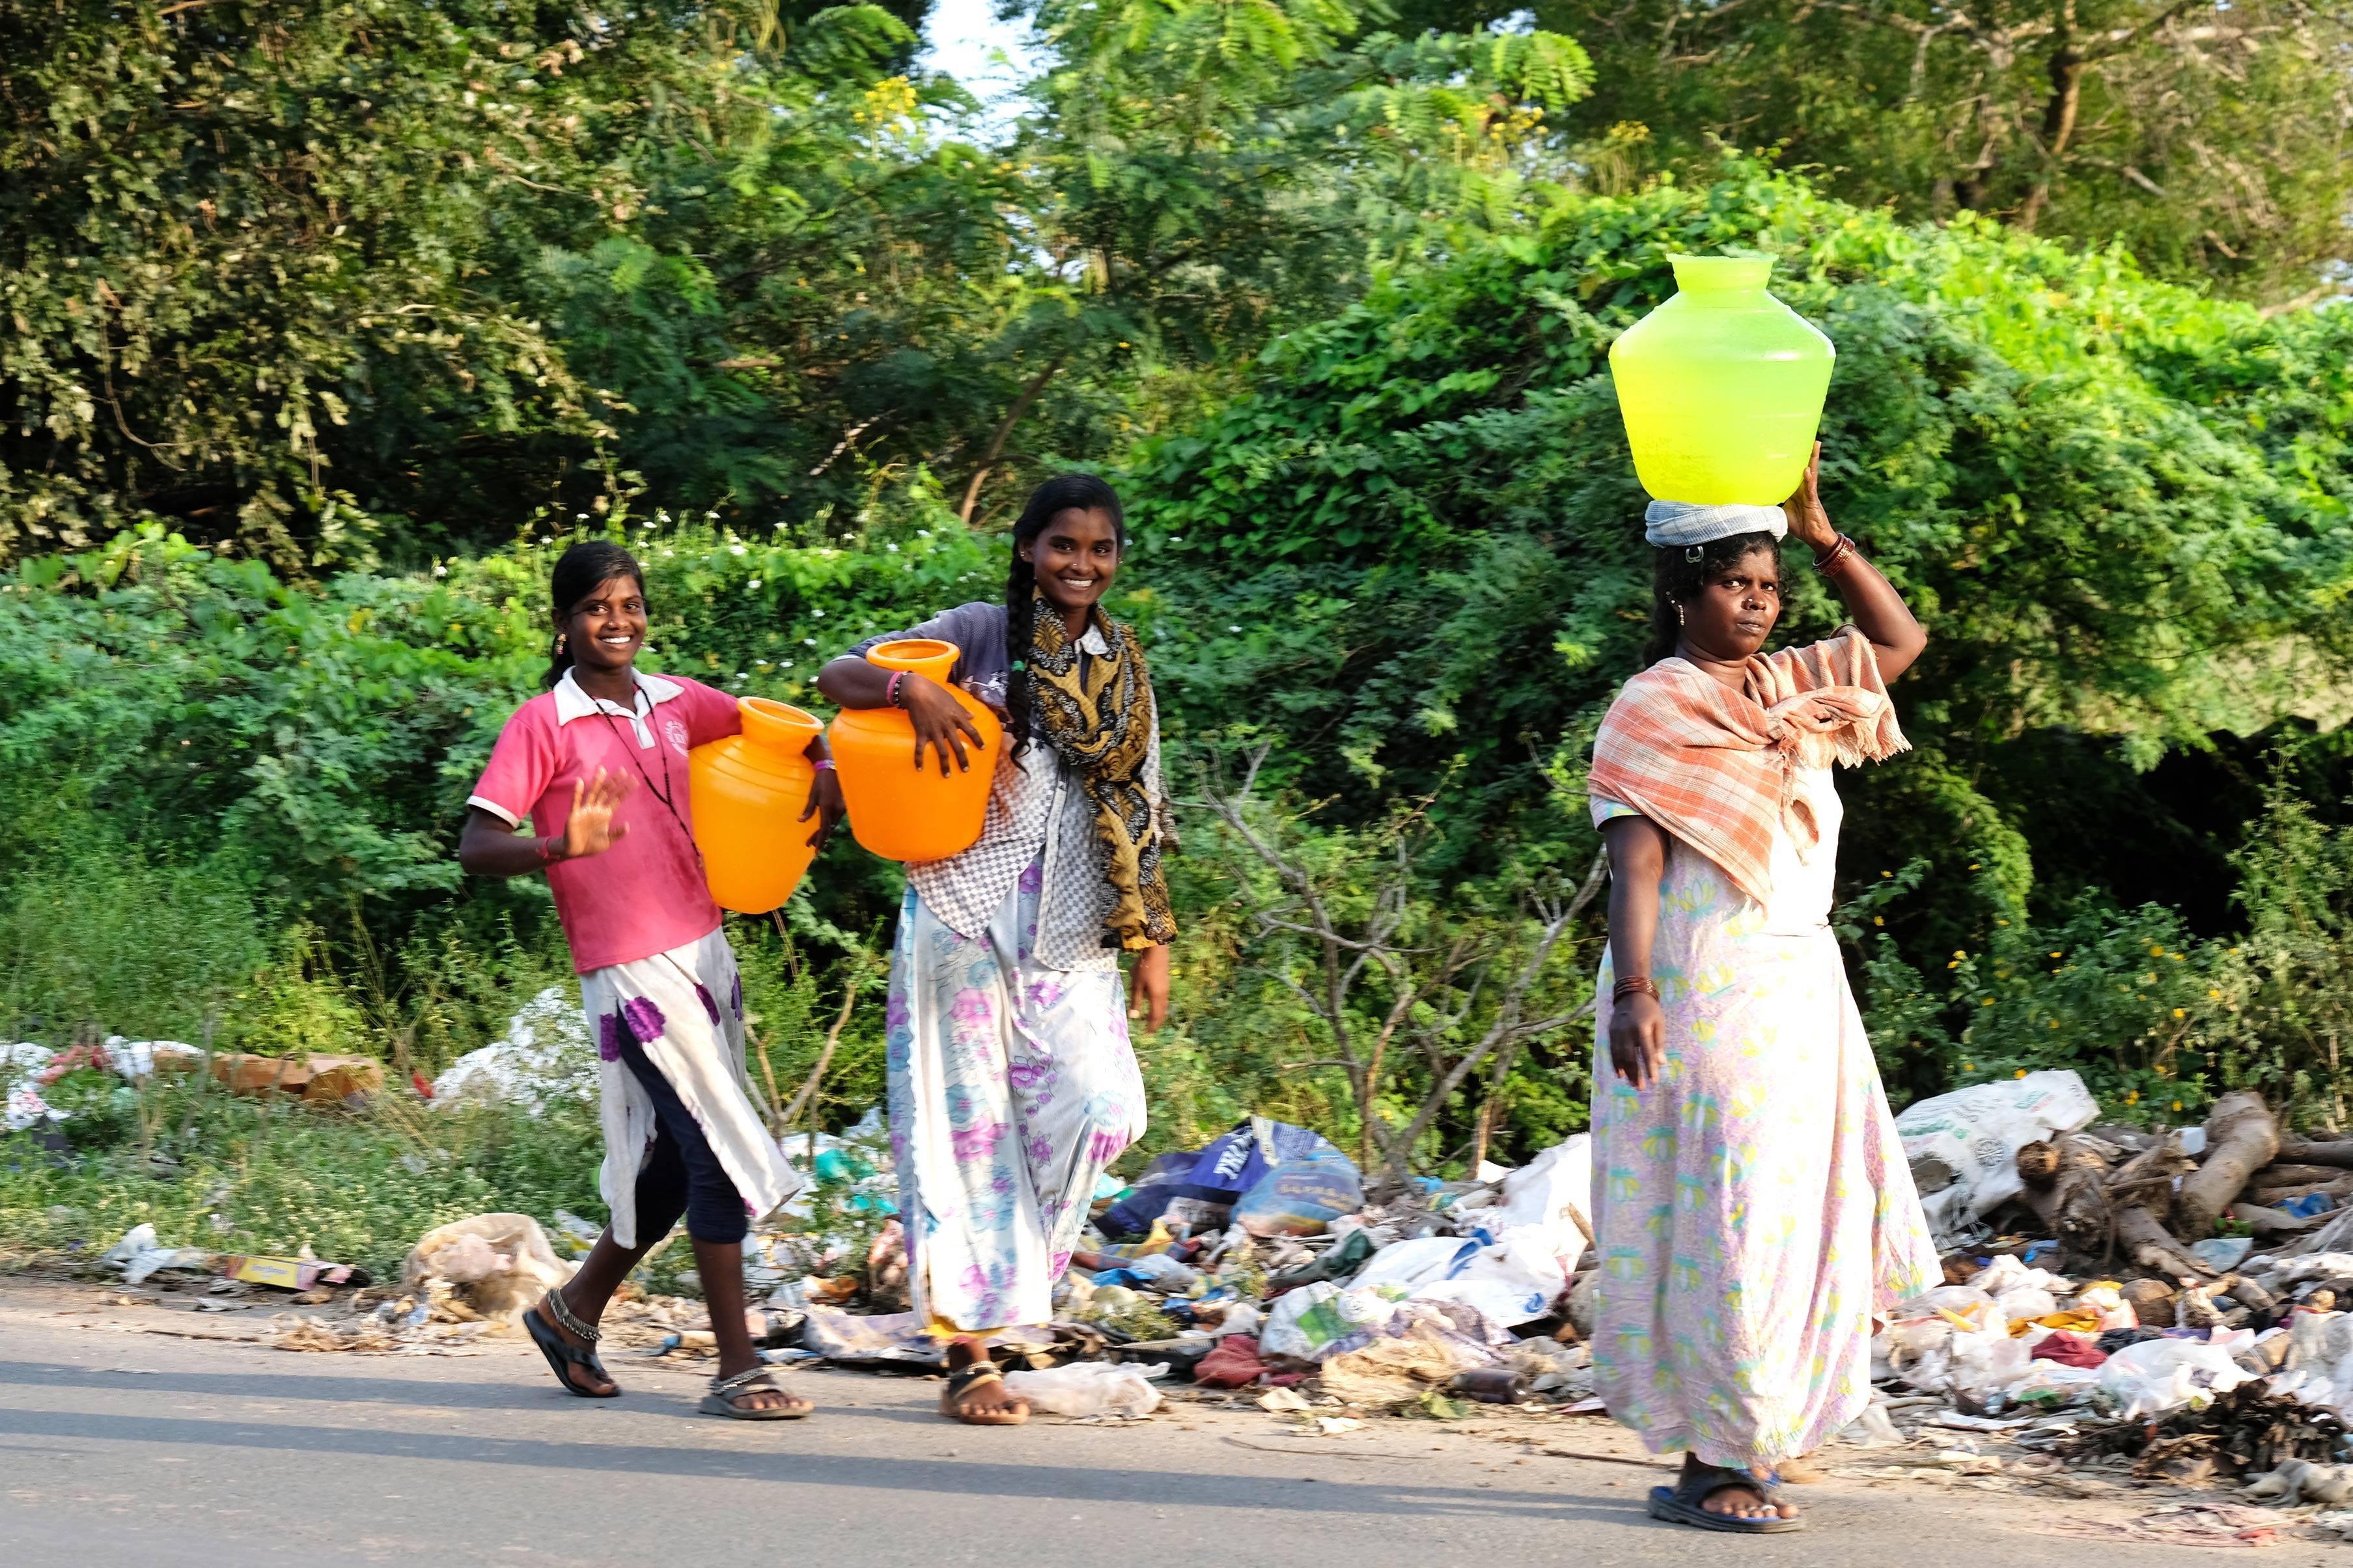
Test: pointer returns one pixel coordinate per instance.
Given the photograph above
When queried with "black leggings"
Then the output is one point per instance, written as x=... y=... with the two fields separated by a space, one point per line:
x=681 y=1175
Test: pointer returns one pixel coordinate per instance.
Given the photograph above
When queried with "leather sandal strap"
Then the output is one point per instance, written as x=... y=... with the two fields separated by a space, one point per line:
x=978 y=1372
x=752 y=1377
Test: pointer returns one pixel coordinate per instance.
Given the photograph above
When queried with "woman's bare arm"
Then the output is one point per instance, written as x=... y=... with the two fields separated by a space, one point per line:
x=940 y=720
x=1878 y=611
x=1638 y=1028
x=489 y=848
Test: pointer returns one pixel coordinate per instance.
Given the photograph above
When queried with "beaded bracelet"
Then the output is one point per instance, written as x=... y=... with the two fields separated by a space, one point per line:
x=891 y=692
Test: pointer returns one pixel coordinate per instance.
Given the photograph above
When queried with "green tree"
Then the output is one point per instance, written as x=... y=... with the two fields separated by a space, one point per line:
x=1205 y=174
x=2211 y=137
x=278 y=273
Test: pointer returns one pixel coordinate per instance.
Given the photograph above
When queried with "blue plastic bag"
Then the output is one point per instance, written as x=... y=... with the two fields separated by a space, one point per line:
x=1302 y=1195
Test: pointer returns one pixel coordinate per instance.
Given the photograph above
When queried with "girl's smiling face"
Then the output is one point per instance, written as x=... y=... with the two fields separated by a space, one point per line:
x=1075 y=556
x=605 y=629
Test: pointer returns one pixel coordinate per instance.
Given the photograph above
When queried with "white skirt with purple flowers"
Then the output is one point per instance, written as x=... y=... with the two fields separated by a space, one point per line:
x=1012 y=1087
x=686 y=1008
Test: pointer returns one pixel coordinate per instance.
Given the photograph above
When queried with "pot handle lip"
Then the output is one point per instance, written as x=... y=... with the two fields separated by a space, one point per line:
x=779 y=725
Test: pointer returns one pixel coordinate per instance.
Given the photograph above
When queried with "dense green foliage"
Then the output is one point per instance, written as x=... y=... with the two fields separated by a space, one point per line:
x=363 y=275
x=2212 y=138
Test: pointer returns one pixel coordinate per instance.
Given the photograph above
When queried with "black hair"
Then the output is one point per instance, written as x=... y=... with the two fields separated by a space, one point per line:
x=1063 y=492
x=1678 y=572
x=579 y=572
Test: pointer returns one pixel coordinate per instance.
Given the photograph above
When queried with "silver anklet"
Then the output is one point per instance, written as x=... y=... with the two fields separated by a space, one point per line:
x=552 y=1303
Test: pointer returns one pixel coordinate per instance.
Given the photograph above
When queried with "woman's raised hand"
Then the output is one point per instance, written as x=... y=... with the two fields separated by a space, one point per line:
x=1810 y=522
x=590 y=830
x=940 y=720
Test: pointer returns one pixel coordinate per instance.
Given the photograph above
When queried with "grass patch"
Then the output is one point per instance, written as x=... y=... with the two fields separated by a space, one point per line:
x=209 y=1169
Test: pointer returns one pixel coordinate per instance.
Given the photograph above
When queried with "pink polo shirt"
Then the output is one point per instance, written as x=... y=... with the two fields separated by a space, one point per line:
x=647 y=894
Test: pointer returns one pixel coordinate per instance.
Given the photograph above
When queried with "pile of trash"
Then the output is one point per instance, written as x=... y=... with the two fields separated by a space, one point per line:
x=2167 y=1303
x=29 y=1069
x=1260 y=1262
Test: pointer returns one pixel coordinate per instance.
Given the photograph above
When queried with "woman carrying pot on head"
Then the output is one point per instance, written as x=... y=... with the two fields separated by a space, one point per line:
x=1012 y=1080
x=599 y=763
x=1753 y=1209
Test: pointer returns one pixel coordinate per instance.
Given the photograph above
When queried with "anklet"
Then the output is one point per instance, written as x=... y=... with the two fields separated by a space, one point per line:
x=554 y=1303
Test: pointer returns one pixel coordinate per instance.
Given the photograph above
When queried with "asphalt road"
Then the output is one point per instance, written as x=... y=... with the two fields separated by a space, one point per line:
x=124 y=1442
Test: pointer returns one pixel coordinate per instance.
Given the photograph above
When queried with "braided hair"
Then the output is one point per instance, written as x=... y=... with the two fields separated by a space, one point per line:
x=1678 y=572
x=1063 y=492
x=579 y=570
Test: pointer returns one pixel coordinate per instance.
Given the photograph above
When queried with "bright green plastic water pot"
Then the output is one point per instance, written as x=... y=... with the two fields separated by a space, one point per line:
x=1722 y=386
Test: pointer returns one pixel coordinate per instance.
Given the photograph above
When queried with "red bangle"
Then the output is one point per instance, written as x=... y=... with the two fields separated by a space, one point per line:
x=1833 y=560
x=548 y=847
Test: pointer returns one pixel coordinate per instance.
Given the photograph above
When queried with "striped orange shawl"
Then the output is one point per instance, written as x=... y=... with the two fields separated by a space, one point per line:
x=1716 y=768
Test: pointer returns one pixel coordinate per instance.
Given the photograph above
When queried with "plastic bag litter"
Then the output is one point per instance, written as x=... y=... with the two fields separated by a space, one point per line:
x=1218 y=1173
x=1233 y=1364
x=1242 y=1318
x=1085 y=1388
x=139 y=1254
x=2158 y=1375
x=2006 y=1274
x=1516 y=1279
x=1320 y=1320
x=1390 y=1370
x=544 y=1058
x=1957 y=1298
x=1987 y=1362
x=1554 y=1192
x=1407 y=1266
x=491 y=1267
x=1304 y=1194
x=1164 y=1272
x=2221 y=1253
x=1963 y=1147
x=26 y=1108
x=1874 y=1428
x=2026 y=1303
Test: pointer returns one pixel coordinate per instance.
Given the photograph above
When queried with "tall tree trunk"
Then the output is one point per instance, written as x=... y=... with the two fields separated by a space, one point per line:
x=2058 y=129
x=1004 y=431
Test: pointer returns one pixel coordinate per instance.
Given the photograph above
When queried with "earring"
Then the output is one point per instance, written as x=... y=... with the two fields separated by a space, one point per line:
x=560 y=640
x=1678 y=614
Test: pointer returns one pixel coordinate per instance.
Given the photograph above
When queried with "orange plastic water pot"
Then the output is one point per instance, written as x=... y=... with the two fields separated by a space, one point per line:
x=1722 y=386
x=749 y=791
x=897 y=809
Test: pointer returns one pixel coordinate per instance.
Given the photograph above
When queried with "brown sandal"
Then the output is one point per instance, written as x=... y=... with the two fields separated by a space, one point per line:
x=979 y=1372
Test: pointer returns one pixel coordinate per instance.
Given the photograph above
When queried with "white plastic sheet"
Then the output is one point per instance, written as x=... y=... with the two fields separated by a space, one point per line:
x=2158 y=1375
x=1963 y=1146
x=544 y=1058
x=1085 y=1388
x=1546 y=1191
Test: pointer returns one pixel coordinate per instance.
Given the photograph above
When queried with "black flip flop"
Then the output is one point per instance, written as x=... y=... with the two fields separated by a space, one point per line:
x=561 y=1351
x=1684 y=1503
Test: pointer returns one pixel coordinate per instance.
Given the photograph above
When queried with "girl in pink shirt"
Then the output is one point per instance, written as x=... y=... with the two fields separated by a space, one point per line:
x=598 y=763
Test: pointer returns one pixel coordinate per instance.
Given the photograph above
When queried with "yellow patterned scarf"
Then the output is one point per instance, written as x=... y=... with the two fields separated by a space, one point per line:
x=1097 y=715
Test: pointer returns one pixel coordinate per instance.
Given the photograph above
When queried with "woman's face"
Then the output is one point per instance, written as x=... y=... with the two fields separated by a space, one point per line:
x=1076 y=557
x=605 y=629
x=1734 y=609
